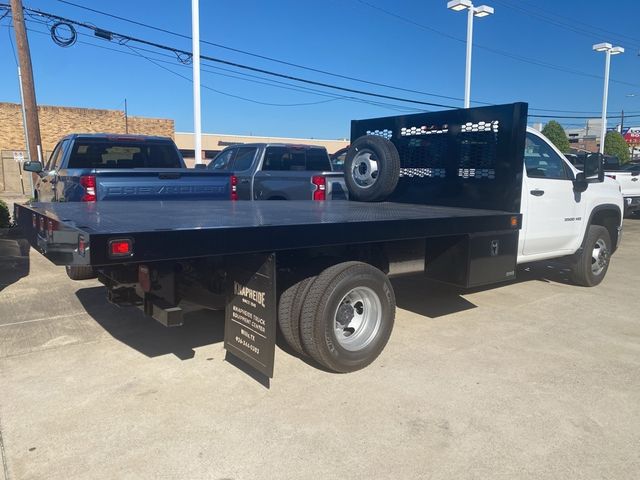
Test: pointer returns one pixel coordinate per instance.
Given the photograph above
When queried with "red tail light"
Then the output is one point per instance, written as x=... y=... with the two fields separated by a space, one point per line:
x=234 y=187
x=320 y=193
x=612 y=176
x=88 y=182
x=122 y=247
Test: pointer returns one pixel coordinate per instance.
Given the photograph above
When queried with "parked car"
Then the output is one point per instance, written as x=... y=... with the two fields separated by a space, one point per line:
x=278 y=171
x=100 y=167
x=629 y=179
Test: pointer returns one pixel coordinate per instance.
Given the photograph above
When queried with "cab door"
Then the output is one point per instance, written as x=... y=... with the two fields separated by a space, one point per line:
x=46 y=184
x=552 y=210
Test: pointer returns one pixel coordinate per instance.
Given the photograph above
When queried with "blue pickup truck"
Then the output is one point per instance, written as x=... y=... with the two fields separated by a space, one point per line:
x=99 y=167
x=103 y=167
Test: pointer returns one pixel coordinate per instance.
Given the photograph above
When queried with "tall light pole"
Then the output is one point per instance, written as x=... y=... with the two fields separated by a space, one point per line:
x=195 y=50
x=481 y=11
x=609 y=50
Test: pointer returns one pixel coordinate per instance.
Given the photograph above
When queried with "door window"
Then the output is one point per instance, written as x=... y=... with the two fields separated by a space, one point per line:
x=222 y=161
x=54 y=159
x=244 y=158
x=541 y=161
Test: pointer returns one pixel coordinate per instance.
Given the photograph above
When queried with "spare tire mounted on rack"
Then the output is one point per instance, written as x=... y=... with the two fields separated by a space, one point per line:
x=371 y=169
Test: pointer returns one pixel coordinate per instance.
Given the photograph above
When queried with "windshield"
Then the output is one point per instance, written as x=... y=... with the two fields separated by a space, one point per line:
x=105 y=153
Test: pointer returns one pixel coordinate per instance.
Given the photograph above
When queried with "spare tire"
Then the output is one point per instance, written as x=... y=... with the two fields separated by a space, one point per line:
x=371 y=169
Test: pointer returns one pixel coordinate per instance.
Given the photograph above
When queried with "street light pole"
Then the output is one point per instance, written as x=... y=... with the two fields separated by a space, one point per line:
x=467 y=71
x=195 y=48
x=481 y=11
x=609 y=50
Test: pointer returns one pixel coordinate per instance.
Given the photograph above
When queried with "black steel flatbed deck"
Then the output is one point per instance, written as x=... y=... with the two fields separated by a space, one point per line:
x=171 y=230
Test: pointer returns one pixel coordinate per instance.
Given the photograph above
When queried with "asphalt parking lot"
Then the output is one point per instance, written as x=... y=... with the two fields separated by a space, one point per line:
x=537 y=379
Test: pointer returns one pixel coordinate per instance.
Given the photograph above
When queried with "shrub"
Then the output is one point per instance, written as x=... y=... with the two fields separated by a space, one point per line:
x=5 y=217
x=615 y=144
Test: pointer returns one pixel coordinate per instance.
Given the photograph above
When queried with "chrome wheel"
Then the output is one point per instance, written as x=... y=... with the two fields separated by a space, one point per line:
x=599 y=257
x=358 y=319
x=364 y=169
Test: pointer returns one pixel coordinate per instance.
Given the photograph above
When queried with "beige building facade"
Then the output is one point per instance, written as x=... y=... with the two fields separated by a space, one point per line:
x=55 y=123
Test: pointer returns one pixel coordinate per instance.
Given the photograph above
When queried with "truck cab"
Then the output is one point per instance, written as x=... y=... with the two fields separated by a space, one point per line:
x=559 y=204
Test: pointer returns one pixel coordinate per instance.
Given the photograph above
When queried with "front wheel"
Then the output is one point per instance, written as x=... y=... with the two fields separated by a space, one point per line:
x=593 y=262
x=347 y=316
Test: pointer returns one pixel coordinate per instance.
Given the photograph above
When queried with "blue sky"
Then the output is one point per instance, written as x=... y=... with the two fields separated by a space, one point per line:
x=416 y=45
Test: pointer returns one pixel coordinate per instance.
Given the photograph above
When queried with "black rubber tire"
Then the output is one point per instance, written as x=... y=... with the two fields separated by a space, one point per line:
x=289 y=310
x=318 y=315
x=80 y=272
x=386 y=155
x=581 y=272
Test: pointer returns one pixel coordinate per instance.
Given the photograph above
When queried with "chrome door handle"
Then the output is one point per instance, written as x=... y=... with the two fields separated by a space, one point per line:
x=537 y=193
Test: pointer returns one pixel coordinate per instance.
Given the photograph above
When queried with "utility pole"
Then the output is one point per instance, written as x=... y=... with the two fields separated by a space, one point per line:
x=622 y=123
x=30 y=107
x=126 y=117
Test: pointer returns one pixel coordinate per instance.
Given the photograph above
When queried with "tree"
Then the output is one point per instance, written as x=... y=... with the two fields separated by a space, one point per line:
x=615 y=144
x=556 y=134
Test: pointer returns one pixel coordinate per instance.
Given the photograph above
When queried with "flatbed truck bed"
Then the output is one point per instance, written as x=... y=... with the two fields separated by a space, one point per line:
x=205 y=228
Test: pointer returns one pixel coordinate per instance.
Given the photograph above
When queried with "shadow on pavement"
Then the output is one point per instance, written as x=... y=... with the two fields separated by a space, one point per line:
x=431 y=299
x=14 y=257
x=204 y=327
x=130 y=326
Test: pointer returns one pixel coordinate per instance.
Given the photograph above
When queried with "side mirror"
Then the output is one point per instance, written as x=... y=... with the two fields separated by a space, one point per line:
x=580 y=183
x=34 y=166
x=594 y=167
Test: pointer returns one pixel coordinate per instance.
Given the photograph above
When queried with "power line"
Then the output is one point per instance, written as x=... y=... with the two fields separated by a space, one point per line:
x=490 y=49
x=264 y=57
x=13 y=48
x=184 y=54
x=153 y=27
x=264 y=81
x=589 y=32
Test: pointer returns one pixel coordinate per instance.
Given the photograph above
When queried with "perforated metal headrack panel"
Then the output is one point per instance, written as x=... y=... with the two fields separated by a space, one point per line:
x=459 y=158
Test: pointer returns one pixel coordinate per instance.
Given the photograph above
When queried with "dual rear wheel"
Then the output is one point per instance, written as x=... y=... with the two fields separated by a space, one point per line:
x=342 y=318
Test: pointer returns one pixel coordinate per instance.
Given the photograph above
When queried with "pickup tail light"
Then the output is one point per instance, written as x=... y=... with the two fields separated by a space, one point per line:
x=88 y=182
x=320 y=183
x=234 y=187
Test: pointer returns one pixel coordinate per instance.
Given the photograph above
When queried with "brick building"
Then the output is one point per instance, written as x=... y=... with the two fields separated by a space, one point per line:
x=56 y=122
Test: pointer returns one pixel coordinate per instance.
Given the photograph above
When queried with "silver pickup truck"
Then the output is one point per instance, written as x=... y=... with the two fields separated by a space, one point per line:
x=278 y=171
